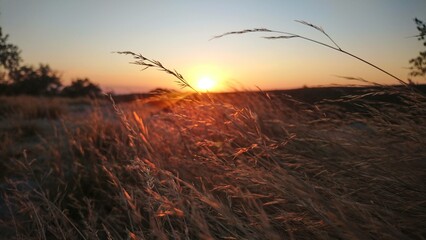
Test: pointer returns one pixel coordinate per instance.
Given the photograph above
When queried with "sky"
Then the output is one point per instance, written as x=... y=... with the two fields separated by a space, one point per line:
x=78 y=39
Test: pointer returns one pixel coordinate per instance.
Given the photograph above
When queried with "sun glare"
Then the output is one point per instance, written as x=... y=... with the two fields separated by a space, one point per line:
x=205 y=84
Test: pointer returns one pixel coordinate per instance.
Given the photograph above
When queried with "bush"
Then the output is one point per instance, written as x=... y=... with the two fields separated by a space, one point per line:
x=30 y=81
x=81 y=87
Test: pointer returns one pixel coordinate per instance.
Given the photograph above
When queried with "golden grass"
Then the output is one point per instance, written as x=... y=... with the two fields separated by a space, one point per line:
x=220 y=166
x=258 y=165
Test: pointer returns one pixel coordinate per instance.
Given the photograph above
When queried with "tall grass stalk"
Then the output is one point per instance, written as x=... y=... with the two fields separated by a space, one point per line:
x=288 y=35
x=149 y=63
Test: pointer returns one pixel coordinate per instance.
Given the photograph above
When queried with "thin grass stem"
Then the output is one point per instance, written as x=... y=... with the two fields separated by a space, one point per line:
x=288 y=35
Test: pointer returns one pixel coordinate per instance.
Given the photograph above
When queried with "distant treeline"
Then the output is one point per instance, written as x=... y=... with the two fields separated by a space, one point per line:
x=313 y=95
x=17 y=79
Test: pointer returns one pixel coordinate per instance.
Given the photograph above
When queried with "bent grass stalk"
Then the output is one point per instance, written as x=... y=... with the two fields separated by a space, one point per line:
x=150 y=63
x=288 y=35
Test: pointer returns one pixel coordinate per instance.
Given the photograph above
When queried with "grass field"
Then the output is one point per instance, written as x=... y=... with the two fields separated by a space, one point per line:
x=248 y=165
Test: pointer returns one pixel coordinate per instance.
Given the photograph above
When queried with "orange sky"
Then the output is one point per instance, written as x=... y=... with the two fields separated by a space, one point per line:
x=77 y=38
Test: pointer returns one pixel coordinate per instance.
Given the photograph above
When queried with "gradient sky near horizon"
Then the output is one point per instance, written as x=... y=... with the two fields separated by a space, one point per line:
x=77 y=38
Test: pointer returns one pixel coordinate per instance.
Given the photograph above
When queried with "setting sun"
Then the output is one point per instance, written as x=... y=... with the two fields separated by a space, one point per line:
x=205 y=83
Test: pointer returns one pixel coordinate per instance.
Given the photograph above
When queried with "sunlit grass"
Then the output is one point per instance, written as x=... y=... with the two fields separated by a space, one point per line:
x=243 y=165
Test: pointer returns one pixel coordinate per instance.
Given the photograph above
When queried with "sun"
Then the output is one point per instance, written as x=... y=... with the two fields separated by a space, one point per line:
x=206 y=84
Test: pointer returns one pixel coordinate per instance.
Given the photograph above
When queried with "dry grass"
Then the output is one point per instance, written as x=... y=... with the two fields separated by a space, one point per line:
x=217 y=166
x=229 y=166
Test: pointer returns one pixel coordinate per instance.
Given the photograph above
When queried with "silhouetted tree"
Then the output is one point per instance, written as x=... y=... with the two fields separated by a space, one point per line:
x=9 y=61
x=81 y=87
x=418 y=67
x=31 y=81
x=9 y=56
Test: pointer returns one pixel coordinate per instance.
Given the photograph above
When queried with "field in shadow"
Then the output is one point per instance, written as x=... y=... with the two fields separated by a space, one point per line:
x=326 y=163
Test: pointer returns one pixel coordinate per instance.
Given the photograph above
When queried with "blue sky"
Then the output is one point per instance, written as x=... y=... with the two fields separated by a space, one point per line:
x=78 y=37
